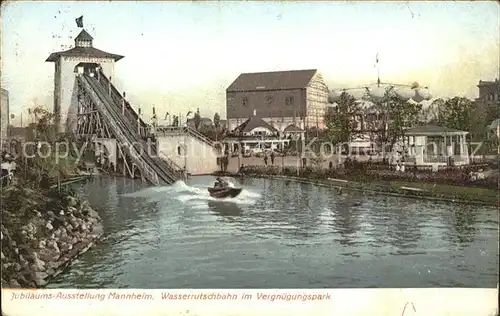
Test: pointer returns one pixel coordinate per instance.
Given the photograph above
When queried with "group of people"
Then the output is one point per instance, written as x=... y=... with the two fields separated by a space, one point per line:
x=266 y=158
x=221 y=183
x=8 y=168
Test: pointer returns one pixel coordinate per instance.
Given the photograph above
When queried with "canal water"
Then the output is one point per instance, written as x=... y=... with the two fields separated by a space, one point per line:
x=280 y=234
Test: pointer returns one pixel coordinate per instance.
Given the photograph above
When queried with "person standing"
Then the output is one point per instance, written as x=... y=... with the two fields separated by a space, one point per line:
x=265 y=159
x=272 y=157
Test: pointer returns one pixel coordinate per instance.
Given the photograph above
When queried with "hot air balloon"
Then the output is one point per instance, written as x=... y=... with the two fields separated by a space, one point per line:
x=377 y=94
x=424 y=93
x=404 y=93
x=417 y=97
x=357 y=93
x=334 y=96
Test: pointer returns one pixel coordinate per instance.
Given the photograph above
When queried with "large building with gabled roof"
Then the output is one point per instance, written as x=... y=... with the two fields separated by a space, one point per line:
x=281 y=98
x=67 y=63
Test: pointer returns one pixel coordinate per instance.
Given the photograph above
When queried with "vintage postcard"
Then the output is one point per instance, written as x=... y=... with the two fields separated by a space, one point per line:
x=250 y=157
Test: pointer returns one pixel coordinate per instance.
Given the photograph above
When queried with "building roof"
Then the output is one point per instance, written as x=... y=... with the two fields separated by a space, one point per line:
x=293 y=128
x=83 y=52
x=275 y=80
x=431 y=129
x=483 y=83
x=495 y=124
x=87 y=51
x=84 y=36
x=252 y=123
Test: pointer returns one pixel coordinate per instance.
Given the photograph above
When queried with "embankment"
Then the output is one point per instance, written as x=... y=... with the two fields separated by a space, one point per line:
x=361 y=181
x=42 y=232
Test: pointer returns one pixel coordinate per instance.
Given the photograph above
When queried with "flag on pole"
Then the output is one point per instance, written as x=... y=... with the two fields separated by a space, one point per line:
x=139 y=112
x=376 y=60
x=154 y=113
x=79 y=21
x=166 y=115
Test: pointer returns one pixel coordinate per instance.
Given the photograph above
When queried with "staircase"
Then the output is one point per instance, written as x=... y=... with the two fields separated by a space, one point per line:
x=124 y=126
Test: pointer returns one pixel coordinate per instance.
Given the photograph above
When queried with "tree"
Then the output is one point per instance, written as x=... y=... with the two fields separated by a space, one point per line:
x=431 y=114
x=217 y=121
x=456 y=113
x=47 y=157
x=45 y=130
x=341 y=119
x=197 y=119
x=390 y=117
x=493 y=112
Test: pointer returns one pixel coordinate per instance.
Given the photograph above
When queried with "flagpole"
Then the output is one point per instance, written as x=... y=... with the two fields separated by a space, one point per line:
x=109 y=86
x=138 y=121
x=123 y=103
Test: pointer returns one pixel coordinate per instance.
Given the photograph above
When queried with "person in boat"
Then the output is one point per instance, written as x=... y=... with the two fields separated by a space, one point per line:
x=220 y=183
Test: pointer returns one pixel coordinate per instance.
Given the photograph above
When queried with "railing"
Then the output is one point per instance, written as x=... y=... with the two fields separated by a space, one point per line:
x=178 y=170
x=199 y=136
x=435 y=158
x=150 y=173
x=132 y=117
x=443 y=158
x=178 y=130
x=172 y=169
x=117 y=98
x=181 y=130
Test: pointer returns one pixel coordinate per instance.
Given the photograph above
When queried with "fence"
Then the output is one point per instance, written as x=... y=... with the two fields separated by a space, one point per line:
x=455 y=177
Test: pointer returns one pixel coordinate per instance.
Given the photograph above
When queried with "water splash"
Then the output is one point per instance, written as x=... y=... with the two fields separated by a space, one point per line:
x=191 y=195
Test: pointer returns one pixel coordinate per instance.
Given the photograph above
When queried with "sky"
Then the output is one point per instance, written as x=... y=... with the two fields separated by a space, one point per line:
x=183 y=55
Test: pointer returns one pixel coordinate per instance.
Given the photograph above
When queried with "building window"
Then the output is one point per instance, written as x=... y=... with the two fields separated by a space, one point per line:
x=244 y=101
x=269 y=100
x=289 y=101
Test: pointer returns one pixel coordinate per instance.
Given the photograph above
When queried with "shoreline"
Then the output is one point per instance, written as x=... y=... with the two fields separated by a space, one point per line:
x=404 y=189
x=42 y=233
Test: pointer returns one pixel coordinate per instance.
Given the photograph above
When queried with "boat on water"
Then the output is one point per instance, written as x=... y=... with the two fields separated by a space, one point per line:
x=223 y=189
x=222 y=193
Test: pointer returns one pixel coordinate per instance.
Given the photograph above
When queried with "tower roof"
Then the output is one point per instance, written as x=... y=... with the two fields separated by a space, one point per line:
x=83 y=52
x=84 y=36
x=83 y=48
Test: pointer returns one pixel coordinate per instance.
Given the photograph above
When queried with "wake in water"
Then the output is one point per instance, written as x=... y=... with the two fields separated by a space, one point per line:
x=195 y=196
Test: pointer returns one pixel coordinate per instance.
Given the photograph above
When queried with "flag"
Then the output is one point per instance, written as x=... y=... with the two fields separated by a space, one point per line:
x=139 y=111
x=166 y=115
x=154 y=113
x=376 y=61
x=79 y=21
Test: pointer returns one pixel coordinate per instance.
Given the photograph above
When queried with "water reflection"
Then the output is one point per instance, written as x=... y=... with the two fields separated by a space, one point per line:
x=463 y=220
x=345 y=218
x=280 y=234
x=404 y=229
x=224 y=209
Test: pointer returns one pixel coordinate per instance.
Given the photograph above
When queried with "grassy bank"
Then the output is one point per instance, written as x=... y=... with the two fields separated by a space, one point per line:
x=362 y=182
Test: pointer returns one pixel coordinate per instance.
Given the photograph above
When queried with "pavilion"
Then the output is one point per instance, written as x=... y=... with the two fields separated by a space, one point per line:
x=432 y=145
